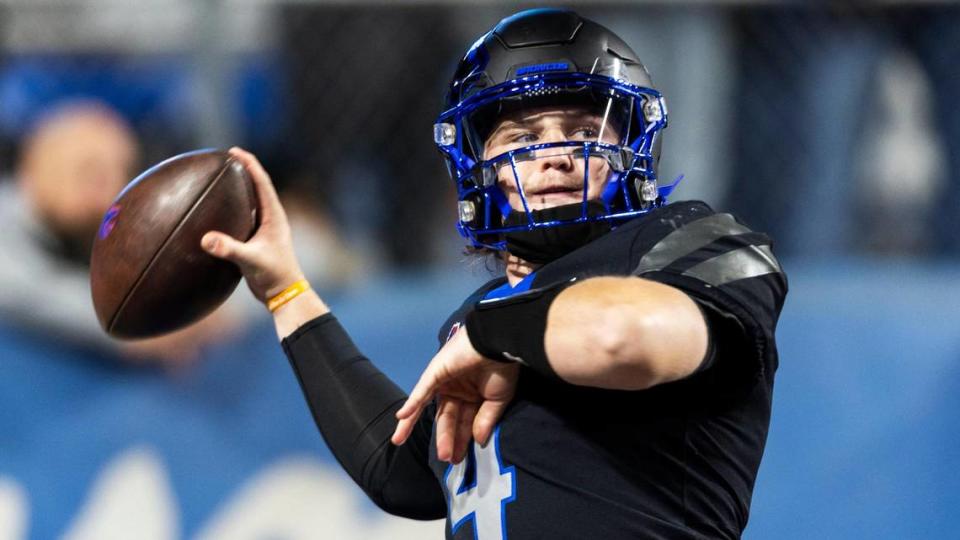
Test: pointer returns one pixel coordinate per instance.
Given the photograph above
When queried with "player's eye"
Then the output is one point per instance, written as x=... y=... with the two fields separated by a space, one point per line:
x=523 y=137
x=584 y=133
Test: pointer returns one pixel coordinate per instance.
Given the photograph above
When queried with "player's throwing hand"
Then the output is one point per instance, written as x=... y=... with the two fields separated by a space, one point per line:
x=267 y=260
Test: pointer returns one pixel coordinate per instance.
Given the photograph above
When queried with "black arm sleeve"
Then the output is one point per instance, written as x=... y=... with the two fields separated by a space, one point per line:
x=353 y=405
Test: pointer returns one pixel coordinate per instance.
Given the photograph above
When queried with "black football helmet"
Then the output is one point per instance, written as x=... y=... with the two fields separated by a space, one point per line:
x=546 y=57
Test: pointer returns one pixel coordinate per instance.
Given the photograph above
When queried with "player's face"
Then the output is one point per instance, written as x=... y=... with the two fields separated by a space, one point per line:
x=555 y=177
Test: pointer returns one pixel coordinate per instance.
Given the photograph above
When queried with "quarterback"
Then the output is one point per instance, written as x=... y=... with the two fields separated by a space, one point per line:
x=616 y=380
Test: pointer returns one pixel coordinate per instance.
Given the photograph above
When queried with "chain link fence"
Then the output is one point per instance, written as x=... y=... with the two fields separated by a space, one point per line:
x=832 y=126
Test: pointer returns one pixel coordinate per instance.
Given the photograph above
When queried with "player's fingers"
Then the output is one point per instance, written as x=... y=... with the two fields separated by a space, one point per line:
x=463 y=436
x=448 y=417
x=436 y=373
x=266 y=193
x=407 y=416
x=486 y=419
x=421 y=393
x=411 y=407
x=404 y=429
x=223 y=246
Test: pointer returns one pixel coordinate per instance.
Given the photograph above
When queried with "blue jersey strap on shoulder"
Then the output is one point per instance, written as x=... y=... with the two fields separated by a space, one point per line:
x=506 y=289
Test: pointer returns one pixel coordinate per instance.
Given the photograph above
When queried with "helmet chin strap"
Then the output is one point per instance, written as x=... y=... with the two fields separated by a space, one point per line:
x=545 y=244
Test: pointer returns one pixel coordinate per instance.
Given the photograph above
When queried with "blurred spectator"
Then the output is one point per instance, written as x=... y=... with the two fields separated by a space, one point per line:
x=809 y=91
x=73 y=163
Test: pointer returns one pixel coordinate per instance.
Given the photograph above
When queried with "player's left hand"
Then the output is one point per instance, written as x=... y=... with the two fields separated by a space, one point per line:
x=472 y=391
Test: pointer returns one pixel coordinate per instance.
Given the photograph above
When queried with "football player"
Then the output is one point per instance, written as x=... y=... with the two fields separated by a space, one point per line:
x=616 y=381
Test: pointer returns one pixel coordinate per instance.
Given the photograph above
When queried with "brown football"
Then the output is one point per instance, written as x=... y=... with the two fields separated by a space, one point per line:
x=148 y=273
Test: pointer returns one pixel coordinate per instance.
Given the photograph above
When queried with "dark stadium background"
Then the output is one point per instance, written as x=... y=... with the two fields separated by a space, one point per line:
x=833 y=127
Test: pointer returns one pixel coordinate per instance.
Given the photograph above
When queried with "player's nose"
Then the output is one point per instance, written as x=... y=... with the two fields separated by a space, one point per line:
x=558 y=159
x=555 y=158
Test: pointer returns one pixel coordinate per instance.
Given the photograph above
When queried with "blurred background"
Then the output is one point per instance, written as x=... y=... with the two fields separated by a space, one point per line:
x=834 y=127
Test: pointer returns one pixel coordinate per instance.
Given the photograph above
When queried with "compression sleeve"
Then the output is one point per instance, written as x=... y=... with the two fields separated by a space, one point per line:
x=353 y=405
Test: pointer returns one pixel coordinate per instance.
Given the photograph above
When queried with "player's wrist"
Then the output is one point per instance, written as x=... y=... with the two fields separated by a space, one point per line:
x=281 y=284
x=512 y=330
x=298 y=311
x=291 y=292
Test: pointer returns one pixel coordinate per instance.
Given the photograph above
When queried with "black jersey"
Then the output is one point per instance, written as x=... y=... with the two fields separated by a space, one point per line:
x=678 y=460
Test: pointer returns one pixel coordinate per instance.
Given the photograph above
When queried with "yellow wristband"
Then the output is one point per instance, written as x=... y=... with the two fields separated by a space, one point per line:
x=287 y=295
